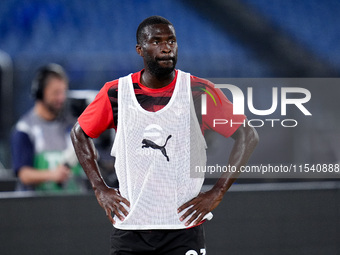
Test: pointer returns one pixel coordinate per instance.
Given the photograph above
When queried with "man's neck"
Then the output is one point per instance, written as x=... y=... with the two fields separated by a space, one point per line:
x=43 y=112
x=151 y=81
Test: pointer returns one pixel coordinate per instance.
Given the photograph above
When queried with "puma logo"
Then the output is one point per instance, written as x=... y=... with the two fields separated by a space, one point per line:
x=147 y=144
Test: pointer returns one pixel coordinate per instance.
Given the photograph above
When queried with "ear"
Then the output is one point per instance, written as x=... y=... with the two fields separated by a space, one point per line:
x=139 y=50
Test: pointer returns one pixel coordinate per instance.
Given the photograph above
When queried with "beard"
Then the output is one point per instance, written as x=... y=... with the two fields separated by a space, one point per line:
x=158 y=70
x=55 y=110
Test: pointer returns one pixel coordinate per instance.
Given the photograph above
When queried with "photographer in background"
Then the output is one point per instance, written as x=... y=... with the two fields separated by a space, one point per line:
x=42 y=156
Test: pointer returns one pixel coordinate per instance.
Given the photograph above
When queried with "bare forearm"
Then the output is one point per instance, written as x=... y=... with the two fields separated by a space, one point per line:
x=246 y=139
x=108 y=198
x=87 y=156
x=30 y=176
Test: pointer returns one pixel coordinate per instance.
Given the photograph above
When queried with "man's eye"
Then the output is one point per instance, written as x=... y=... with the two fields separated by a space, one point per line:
x=172 y=41
x=155 y=42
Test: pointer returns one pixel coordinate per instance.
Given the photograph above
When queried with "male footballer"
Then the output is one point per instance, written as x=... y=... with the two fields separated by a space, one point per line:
x=159 y=207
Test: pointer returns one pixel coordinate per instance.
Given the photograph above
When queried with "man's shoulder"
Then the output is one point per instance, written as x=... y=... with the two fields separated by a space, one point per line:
x=197 y=82
x=26 y=120
x=200 y=86
x=112 y=86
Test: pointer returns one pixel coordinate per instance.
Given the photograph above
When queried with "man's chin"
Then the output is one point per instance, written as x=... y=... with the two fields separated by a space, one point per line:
x=56 y=111
x=162 y=68
x=161 y=71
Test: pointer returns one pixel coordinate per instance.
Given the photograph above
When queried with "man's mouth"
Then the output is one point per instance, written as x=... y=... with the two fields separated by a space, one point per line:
x=165 y=59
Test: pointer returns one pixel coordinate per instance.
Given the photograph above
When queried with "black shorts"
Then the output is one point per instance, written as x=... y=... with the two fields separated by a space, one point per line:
x=158 y=242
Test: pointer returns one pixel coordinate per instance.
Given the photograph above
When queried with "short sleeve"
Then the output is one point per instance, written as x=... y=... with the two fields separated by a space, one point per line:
x=219 y=116
x=22 y=151
x=98 y=115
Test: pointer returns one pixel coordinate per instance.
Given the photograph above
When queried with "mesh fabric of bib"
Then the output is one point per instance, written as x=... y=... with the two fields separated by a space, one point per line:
x=155 y=153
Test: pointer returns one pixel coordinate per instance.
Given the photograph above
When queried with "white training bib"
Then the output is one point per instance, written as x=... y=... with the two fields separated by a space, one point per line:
x=155 y=153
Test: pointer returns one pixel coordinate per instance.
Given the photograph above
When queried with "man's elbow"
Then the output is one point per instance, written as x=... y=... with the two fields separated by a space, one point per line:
x=76 y=132
x=252 y=137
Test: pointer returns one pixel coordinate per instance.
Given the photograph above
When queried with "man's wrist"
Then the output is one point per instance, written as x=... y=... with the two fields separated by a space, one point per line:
x=223 y=184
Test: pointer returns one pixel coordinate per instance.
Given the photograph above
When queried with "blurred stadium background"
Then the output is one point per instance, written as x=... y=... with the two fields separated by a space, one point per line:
x=95 y=42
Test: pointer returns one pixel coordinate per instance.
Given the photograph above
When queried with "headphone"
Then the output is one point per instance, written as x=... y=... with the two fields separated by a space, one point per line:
x=43 y=73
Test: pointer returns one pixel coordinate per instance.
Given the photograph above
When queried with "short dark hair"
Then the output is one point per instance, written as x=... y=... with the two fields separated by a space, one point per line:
x=152 y=20
x=40 y=80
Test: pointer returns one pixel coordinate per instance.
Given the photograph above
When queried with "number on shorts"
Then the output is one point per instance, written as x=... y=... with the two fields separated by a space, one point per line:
x=192 y=252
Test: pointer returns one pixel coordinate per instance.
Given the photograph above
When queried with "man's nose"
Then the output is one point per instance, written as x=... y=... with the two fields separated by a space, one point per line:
x=166 y=48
